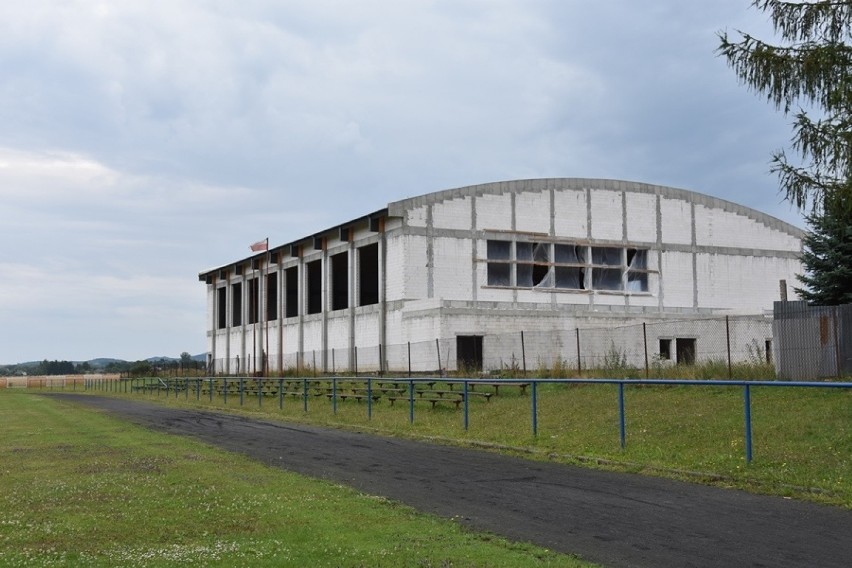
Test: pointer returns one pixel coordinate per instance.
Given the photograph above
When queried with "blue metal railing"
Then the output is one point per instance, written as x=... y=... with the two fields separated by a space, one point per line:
x=467 y=383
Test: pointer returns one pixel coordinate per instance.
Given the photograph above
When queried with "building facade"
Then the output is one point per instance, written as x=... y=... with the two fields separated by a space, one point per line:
x=460 y=273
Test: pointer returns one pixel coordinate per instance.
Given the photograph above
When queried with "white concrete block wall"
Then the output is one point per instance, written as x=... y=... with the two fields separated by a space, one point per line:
x=337 y=328
x=641 y=217
x=571 y=219
x=677 y=281
x=532 y=211
x=676 y=218
x=452 y=214
x=738 y=282
x=606 y=215
x=413 y=269
x=494 y=212
x=395 y=264
x=452 y=268
x=416 y=217
x=367 y=329
x=715 y=227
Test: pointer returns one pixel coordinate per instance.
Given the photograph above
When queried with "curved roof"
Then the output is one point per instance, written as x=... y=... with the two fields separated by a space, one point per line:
x=397 y=208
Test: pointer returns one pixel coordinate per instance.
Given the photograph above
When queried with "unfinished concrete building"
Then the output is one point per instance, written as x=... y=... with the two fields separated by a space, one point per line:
x=452 y=278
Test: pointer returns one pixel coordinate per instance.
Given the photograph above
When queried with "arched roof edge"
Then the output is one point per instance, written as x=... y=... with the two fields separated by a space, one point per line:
x=398 y=208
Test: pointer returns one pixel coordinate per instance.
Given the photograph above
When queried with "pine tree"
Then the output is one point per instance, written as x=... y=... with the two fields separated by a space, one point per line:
x=810 y=68
x=827 y=255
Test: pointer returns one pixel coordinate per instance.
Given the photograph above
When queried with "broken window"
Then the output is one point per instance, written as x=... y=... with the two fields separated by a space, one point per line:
x=637 y=263
x=314 y=285
x=272 y=296
x=567 y=266
x=368 y=275
x=291 y=298
x=222 y=308
x=499 y=273
x=340 y=281
x=237 y=304
x=533 y=265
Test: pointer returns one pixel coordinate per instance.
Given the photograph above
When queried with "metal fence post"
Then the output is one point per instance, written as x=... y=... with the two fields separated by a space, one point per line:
x=645 y=344
x=524 y=354
x=369 y=398
x=579 y=365
x=409 y=359
x=728 y=340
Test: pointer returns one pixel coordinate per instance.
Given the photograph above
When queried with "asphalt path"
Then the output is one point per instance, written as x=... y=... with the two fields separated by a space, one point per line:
x=614 y=519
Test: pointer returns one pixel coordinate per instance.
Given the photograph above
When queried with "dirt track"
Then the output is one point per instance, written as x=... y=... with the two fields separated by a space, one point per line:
x=610 y=518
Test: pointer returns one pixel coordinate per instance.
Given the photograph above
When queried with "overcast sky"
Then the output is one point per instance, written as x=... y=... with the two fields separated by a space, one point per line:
x=143 y=142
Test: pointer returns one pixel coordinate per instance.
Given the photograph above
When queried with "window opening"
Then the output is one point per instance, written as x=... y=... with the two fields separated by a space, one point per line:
x=666 y=349
x=340 y=281
x=368 y=275
x=637 y=262
x=291 y=298
x=237 y=304
x=533 y=267
x=685 y=351
x=222 y=308
x=272 y=296
x=499 y=273
x=253 y=300
x=314 y=284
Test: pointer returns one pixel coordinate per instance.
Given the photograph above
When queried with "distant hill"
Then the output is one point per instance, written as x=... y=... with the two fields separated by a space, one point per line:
x=101 y=362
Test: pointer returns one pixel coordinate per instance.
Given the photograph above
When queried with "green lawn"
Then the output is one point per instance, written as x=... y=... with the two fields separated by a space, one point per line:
x=78 y=488
x=802 y=437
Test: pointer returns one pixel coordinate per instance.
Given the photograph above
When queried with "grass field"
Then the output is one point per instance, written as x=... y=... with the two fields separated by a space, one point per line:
x=802 y=437
x=78 y=488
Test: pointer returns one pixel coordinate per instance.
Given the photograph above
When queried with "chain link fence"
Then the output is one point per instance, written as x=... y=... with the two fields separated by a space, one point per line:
x=650 y=347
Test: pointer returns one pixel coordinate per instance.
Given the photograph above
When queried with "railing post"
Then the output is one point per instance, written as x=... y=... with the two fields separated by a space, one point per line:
x=534 y=397
x=305 y=393
x=621 y=425
x=369 y=398
x=225 y=390
x=409 y=359
x=242 y=390
x=747 y=405
x=410 y=401
x=334 y=395
x=465 y=404
x=438 y=350
x=524 y=354
x=645 y=344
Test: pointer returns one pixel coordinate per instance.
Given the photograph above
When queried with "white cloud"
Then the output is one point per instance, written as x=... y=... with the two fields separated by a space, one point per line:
x=145 y=141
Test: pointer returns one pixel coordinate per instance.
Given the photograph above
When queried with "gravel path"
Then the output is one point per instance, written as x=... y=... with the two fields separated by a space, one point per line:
x=611 y=518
